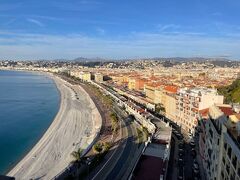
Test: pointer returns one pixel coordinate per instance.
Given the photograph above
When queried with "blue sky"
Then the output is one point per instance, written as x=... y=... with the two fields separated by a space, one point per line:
x=50 y=29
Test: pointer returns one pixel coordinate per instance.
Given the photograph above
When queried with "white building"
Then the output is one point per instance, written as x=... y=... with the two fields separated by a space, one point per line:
x=190 y=101
x=221 y=154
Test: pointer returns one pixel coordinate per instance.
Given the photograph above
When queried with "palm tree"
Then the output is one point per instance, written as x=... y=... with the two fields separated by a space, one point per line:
x=77 y=156
x=160 y=108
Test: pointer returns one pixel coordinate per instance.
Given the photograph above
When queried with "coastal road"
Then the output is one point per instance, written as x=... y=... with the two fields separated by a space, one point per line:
x=75 y=126
x=121 y=163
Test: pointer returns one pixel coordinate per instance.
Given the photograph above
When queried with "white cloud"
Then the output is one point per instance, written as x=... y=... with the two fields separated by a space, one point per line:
x=100 y=31
x=36 y=22
x=39 y=46
x=165 y=27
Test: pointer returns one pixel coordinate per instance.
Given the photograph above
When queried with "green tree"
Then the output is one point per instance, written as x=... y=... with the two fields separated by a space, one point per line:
x=159 y=108
x=77 y=155
x=98 y=147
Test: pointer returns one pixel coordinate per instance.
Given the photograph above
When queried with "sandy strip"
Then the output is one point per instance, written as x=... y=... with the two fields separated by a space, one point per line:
x=76 y=125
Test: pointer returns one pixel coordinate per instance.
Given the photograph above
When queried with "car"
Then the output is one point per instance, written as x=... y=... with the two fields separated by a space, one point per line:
x=196 y=172
x=181 y=142
x=195 y=163
x=180 y=162
x=194 y=153
x=181 y=150
x=196 y=178
x=195 y=166
x=190 y=135
x=192 y=143
x=180 y=145
x=175 y=131
x=180 y=173
x=180 y=154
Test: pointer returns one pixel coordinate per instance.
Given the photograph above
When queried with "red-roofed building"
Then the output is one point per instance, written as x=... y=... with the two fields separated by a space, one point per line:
x=227 y=110
x=171 y=89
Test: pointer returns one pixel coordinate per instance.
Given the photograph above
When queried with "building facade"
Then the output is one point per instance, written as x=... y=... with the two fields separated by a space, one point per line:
x=221 y=154
x=189 y=102
x=98 y=77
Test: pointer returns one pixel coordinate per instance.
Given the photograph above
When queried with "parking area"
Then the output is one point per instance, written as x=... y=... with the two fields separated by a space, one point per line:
x=185 y=158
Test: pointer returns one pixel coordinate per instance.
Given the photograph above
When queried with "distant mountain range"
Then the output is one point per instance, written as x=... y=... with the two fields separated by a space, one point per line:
x=154 y=59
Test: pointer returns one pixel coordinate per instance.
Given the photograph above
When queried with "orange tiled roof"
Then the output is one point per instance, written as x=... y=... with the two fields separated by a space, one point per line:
x=172 y=89
x=154 y=84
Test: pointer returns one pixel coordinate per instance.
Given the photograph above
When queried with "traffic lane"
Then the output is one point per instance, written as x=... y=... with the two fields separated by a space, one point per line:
x=124 y=156
x=108 y=165
x=124 y=172
x=121 y=162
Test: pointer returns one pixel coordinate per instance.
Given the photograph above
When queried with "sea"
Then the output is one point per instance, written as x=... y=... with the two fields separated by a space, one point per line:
x=29 y=101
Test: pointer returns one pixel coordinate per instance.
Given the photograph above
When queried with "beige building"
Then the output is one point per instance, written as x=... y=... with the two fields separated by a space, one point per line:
x=136 y=83
x=150 y=90
x=158 y=96
x=98 y=77
x=170 y=106
x=190 y=101
x=86 y=76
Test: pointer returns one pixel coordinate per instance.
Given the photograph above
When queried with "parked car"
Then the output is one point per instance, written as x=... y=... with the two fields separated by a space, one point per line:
x=195 y=164
x=192 y=143
x=179 y=136
x=180 y=173
x=181 y=150
x=194 y=153
x=181 y=145
x=195 y=173
x=180 y=162
x=180 y=155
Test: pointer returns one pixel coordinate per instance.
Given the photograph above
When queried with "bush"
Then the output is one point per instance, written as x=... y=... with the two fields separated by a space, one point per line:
x=114 y=121
x=107 y=146
x=98 y=147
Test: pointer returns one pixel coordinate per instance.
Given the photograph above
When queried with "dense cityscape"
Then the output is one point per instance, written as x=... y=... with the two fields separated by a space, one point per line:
x=176 y=119
x=119 y=90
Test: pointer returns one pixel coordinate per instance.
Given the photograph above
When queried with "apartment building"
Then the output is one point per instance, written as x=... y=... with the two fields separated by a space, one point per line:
x=120 y=78
x=98 y=77
x=150 y=90
x=221 y=148
x=189 y=102
x=169 y=101
x=86 y=76
x=158 y=95
x=136 y=83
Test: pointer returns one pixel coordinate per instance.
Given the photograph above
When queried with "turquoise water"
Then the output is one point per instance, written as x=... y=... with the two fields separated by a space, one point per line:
x=28 y=104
